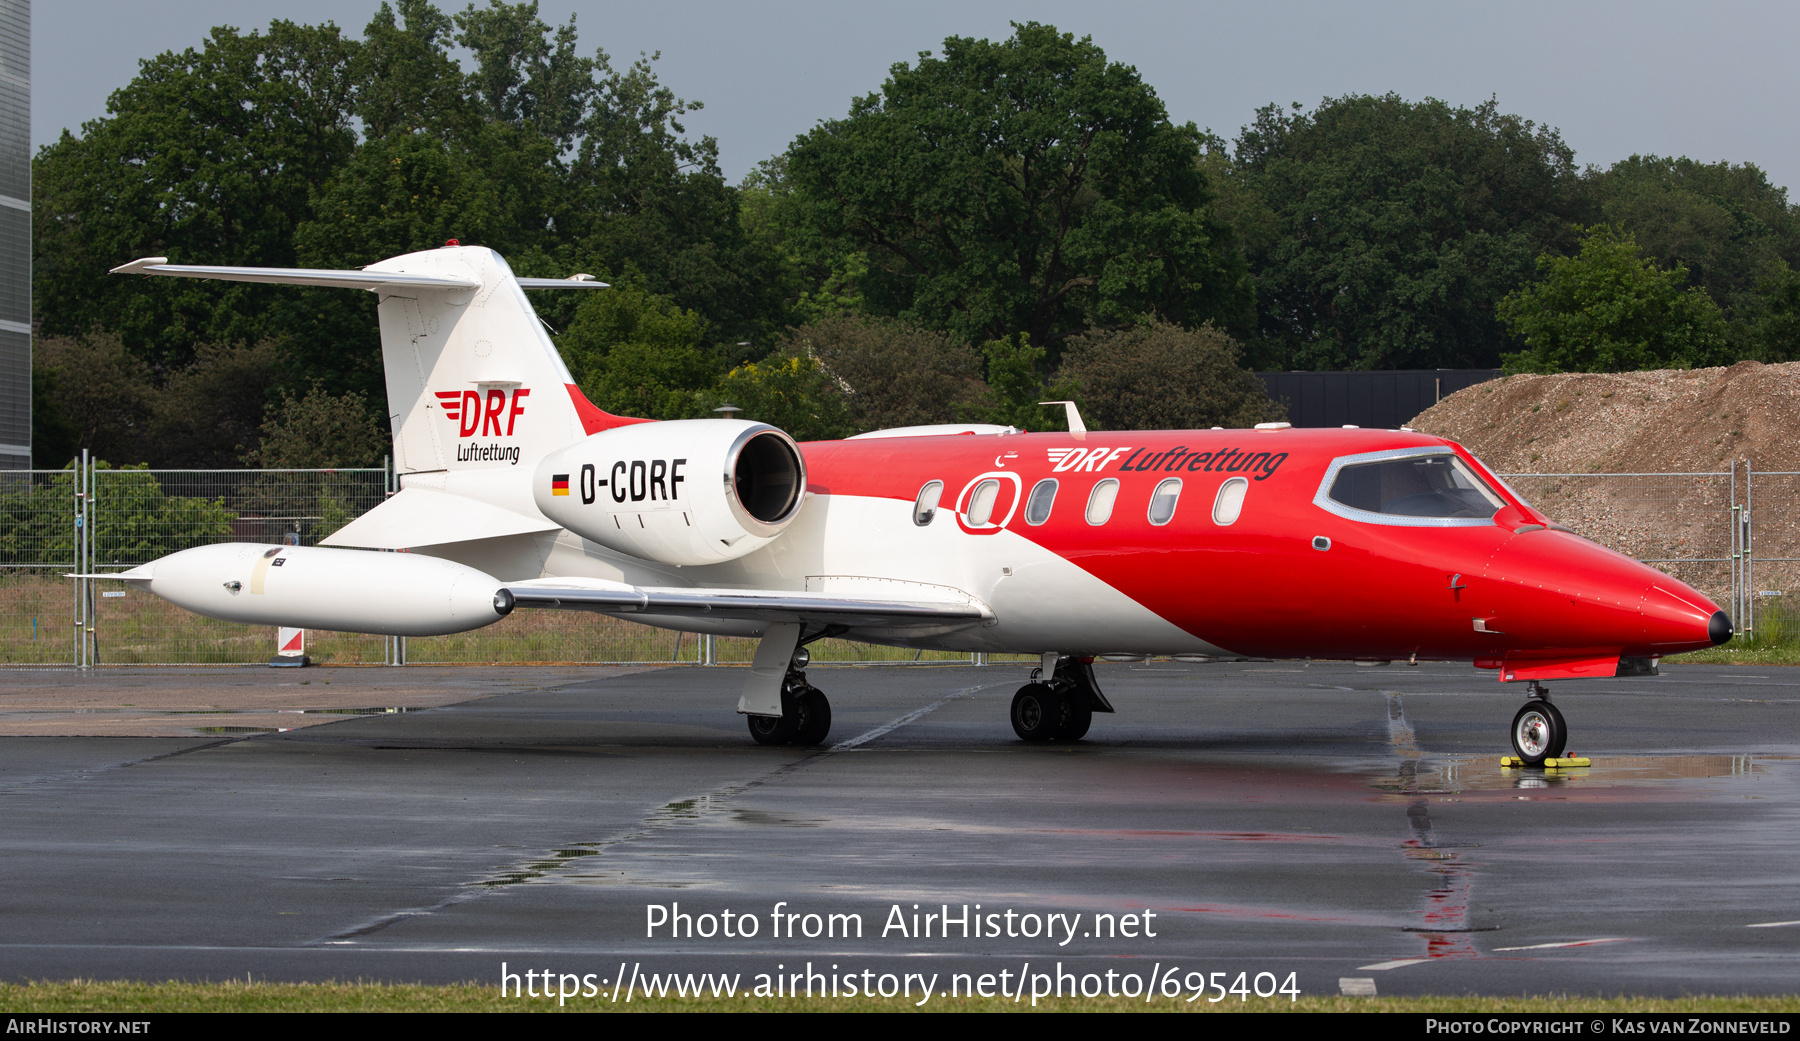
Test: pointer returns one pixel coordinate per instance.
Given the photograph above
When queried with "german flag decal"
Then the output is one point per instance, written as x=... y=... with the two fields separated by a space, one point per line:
x=559 y=484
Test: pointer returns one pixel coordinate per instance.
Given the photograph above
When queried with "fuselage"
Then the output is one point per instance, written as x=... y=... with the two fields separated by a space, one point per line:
x=1280 y=575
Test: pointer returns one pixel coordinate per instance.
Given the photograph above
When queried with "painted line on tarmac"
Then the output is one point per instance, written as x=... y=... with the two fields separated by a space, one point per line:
x=656 y=822
x=1771 y=925
x=911 y=717
x=1566 y=943
x=1397 y=963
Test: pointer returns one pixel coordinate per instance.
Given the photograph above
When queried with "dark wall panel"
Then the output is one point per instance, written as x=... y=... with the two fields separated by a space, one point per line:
x=1383 y=400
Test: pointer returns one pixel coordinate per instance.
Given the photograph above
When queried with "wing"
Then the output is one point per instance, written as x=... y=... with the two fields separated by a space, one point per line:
x=757 y=605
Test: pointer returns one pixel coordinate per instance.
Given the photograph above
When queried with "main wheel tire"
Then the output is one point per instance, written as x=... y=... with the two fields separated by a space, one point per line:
x=1538 y=732
x=772 y=730
x=1037 y=711
x=1077 y=716
x=812 y=717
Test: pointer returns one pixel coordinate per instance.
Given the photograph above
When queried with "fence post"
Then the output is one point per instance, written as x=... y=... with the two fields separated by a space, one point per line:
x=706 y=650
x=75 y=504
x=1749 y=550
x=1737 y=613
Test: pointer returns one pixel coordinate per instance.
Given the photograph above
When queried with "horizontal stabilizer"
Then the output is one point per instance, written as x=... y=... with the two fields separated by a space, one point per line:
x=761 y=605
x=427 y=517
x=375 y=281
x=295 y=276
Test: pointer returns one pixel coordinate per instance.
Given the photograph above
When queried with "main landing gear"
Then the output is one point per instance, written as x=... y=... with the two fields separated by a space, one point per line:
x=1538 y=730
x=805 y=714
x=1061 y=708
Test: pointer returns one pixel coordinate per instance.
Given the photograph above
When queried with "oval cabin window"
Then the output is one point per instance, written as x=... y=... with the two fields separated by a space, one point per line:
x=1230 y=502
x=1162 y=503
x=1100 y=501
x=926 y=506
x=981 y=503
x=1043 y=496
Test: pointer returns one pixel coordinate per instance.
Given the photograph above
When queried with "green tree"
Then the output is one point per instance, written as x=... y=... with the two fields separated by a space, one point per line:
x=792 y=393
x=634 y=353
x=208 y=414
x=1723 y=222
x=1611 y=309
x=893 y=373
x=1016 y=385
x=100 y=389
x=1023 y=186
x=404 y=79
x=321 y=431
x=1401 y=226
x=207 y=156
x=1163 y=377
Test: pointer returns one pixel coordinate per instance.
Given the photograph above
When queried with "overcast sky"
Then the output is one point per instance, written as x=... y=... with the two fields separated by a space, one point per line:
x=1711 y=81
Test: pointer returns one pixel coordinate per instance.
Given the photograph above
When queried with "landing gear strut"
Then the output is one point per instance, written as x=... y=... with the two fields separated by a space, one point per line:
x=1061 y=708
x=1538 y=730
x=805 y=713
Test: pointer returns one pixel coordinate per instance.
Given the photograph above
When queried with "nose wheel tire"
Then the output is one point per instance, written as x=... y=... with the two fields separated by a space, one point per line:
x=1538 y=732
x=805 y=720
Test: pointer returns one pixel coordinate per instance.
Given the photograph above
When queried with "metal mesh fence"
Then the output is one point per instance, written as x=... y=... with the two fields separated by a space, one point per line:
x=140 y=515
x=37 y=547
x=1677 y=523
x=1697 y=527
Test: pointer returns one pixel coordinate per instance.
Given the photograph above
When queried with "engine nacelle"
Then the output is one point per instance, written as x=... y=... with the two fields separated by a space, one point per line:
x=685 y=491
x=309 y=587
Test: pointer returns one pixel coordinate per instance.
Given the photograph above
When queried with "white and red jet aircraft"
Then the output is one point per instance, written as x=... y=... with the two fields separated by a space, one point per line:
x=1272 y=542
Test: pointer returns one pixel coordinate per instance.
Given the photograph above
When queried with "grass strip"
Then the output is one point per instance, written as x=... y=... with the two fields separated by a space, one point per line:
x=87 y=996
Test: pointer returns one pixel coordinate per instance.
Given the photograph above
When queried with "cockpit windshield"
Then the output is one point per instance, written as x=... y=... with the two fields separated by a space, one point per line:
x=1410 y=487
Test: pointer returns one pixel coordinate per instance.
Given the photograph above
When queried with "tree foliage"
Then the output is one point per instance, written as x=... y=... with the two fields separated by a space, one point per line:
x=1612 y=309
x=1723 y=222
x=638 y=354
x=1401 y=226
x=1001 y=223
x=208 y=156
x=792 y=393
x=1162 y=377
x=320 y=431
x=1027 y=186
x=893 y=373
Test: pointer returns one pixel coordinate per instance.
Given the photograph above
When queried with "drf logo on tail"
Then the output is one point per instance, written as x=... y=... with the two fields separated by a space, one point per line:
x=483 y=415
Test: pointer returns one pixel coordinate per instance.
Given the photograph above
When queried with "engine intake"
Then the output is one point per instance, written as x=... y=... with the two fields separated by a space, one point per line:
x=647 y=489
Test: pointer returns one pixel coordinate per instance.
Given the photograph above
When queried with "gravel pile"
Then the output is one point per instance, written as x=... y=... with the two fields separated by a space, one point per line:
x=1666 y=422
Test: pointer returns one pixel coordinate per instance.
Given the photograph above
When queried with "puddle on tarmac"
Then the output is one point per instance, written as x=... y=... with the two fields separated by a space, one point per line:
x=1455 y=774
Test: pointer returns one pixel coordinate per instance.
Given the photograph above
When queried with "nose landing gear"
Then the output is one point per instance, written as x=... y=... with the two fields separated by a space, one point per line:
x=1538 y=729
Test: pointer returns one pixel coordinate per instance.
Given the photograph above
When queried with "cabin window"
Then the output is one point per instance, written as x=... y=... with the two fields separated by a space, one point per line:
x=925 y=507
x=1043 y=496
x=1100 y=501
x=981 y=503
x=1230 y=501
x=1431 y=487
x=1162 y=502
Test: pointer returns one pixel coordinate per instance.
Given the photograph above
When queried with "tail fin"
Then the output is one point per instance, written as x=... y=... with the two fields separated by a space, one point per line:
x=473 y=382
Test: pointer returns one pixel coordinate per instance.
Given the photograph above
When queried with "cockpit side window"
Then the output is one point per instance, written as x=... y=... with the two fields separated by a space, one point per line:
x=1414 y=487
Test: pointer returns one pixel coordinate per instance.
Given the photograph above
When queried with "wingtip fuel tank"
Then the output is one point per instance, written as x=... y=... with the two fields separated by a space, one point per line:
x=394 y=594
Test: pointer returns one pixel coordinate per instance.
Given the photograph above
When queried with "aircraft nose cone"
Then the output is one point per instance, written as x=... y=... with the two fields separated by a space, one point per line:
x=1719 y=629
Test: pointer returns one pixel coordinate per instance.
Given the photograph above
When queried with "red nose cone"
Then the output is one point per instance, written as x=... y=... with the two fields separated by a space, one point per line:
x=1556 y=590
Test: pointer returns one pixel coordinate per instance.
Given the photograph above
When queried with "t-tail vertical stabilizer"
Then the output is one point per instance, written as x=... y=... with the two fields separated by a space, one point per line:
x=473 y=381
